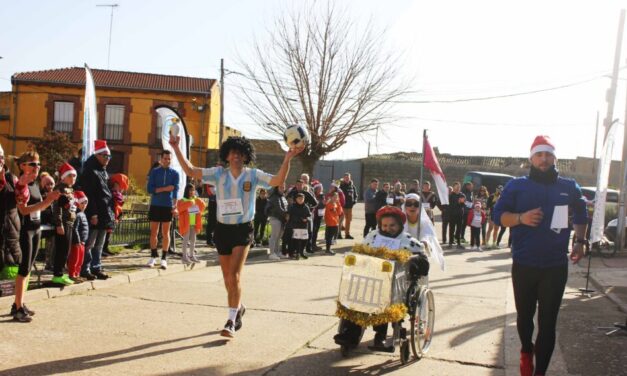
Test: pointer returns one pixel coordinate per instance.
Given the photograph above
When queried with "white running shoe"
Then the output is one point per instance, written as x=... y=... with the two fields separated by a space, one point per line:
x=164 y=264
x=273 y=256
x=151 y=262
x=479 y=249
x=194 y=258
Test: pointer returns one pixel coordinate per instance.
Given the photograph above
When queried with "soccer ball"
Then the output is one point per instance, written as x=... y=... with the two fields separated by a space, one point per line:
x=174 y=128
x=296 y=136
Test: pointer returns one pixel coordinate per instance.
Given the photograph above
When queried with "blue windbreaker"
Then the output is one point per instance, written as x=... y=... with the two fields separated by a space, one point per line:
x=540 y=246
x=160 y=177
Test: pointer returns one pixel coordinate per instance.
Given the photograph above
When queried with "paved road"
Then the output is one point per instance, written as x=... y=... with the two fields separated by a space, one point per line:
x=169 y=325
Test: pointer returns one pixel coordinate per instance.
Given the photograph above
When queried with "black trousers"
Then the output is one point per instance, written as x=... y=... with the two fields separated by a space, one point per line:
x=211 y=221
x=500 y=236
x=371 y=223
x=29 y=242
x=62 y=249
x=259 y=227
x=298 y=247
x=445 y=225
x=454 y=230
x=475 y=236
x=317 y=221
x=544 y=288
x=330 y=232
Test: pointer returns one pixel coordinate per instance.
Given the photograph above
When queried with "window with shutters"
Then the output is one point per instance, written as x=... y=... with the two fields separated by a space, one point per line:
x=114 y=122
x=63 y=117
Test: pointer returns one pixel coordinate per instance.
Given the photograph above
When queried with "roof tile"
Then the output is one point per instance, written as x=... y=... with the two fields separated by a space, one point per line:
x=109 y=79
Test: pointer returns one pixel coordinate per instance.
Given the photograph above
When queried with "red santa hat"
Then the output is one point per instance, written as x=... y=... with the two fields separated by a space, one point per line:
x=80 y=197
x=65 y=170
x=542 y=143
x=100 y=146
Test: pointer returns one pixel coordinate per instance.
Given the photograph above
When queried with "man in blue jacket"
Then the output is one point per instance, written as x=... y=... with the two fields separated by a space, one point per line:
x=163 y=185
x=536 y=207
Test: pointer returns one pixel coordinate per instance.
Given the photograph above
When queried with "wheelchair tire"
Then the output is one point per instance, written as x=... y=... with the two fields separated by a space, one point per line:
x=422 y=320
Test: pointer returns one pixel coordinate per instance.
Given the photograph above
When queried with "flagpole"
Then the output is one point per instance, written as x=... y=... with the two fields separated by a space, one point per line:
x=422 y=165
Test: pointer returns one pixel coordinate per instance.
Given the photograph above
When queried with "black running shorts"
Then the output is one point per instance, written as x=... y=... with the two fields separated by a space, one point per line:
x=227 y=237
x=160 y=213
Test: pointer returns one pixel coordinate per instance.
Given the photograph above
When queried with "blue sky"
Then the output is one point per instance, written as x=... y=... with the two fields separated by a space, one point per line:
x=451 y=49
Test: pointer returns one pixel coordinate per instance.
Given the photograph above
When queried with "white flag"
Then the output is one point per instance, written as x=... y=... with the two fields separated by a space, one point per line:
x=598 y=218
x=172 y=122
x=90 y=116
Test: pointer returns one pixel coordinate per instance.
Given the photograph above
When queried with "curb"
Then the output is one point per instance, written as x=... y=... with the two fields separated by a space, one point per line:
x=607 y=291
x=116 y=280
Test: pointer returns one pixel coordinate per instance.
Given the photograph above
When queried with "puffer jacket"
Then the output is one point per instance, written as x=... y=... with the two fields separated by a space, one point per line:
x=93 y=181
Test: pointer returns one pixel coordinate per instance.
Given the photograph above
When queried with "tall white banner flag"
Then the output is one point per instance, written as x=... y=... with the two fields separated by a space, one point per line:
x=90 y=116
x=598 y=218
x=172 y=124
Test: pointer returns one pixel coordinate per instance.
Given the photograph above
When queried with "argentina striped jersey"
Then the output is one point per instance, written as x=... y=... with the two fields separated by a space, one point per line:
x=244 y=188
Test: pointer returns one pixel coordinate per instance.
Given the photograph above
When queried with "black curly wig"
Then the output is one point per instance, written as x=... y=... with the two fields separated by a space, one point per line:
x=241 y=144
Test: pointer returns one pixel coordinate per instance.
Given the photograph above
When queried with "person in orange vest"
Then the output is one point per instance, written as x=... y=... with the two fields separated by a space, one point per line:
x=190 y=210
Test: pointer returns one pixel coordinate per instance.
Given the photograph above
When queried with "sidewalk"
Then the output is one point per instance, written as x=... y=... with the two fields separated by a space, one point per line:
x=125 y=267
x=608 y=276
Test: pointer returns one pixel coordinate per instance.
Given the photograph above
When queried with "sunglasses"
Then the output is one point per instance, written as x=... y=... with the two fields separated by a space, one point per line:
x=33 y=164
x=415 y=204
x=106 y=156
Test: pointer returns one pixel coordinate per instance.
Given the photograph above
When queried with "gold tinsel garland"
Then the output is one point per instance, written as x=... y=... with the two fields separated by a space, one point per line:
x=393 y=313
x=400 y=255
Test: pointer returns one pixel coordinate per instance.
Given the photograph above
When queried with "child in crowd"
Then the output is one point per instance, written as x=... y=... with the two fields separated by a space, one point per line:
x=261 y=219
x=118 y=184
x=80 y=233
x=190 y=210
x=476 y=219
x=332 y=213
x=64 y=215
x=299 y=222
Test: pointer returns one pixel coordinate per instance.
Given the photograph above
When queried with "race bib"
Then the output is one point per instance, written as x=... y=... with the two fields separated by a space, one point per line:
x=384 y=241
x=35 y=216
x=320 y=212
x=560 y=218
x=230 y=207
x=194 y=209
x=300 y=234
x=389 y=200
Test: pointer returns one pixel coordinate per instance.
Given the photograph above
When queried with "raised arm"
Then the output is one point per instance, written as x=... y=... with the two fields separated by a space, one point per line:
x=280 y=176
x=187 y=166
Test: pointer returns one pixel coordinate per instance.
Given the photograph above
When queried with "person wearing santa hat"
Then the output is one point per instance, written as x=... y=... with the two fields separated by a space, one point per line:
x=536 y=208
x=64 y=216
x=93 y=180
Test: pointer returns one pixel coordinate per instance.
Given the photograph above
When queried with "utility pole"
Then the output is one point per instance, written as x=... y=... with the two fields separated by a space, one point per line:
x=611 y=93
x=622 y=198
x=112 y=6
x=221 y=102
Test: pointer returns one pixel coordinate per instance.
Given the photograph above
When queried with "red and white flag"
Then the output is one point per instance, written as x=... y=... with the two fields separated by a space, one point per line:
x=430 y=162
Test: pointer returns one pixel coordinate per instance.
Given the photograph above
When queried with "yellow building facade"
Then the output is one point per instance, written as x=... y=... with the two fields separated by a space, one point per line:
x=126 y=101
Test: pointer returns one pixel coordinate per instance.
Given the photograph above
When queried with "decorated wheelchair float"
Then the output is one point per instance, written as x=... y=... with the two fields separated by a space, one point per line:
x=381 y=286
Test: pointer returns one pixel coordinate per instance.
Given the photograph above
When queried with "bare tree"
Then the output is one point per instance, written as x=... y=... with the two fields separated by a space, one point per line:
x=321 y=69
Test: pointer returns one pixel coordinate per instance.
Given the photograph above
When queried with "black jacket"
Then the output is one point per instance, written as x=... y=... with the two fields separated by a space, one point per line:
x=297 y=214
x=350 y=194
x=380 y=199
x=455 y=209
x=93 y=181
x=310 y=200
x=10 y=234
x=276 y=206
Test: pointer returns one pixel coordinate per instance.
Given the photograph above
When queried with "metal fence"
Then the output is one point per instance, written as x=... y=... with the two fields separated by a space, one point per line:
x=133 y=228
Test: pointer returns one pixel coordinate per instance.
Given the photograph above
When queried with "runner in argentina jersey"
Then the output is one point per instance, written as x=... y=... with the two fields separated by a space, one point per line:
x=230 y=192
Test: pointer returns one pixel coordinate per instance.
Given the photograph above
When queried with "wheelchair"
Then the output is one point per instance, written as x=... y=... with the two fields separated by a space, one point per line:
x=411 y=290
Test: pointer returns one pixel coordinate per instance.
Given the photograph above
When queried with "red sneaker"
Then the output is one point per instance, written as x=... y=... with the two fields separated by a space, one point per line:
x=526 y=364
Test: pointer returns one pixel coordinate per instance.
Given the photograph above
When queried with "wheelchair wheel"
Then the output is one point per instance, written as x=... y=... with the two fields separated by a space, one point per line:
x=404 y=352
x=422 y=320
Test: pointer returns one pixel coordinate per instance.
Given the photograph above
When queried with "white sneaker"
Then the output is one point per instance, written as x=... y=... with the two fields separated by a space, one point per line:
x=164 y=264
x=474 y=248
x=479 y=249
x=194 y=258
x=273 y=256
x=151 y=262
